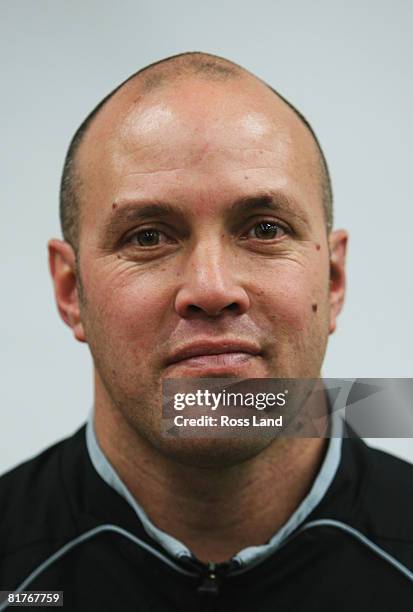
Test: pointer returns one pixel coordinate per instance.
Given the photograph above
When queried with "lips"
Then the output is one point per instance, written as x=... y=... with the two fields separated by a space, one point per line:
x=219 y=353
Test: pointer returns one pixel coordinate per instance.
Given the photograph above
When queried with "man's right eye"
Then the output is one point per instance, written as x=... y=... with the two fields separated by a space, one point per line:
x=147 y=237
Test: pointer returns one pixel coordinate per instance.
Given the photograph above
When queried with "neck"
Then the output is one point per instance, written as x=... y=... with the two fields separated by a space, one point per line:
x=215 y=512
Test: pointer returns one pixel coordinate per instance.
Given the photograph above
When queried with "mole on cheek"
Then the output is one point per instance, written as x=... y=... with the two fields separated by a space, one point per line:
x=317 y=246
x=114 y=205
x=314 y=307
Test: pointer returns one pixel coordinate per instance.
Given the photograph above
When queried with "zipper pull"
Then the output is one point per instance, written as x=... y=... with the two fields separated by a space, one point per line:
x=209 y=584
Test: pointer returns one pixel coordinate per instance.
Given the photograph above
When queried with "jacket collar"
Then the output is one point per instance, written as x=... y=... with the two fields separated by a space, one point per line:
x=247 y=556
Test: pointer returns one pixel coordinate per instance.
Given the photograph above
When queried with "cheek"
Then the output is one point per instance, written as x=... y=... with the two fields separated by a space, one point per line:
x=126 y=308
x=294 y=296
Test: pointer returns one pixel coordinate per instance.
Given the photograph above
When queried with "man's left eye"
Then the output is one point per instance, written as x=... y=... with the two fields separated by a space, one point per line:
x=266 y=230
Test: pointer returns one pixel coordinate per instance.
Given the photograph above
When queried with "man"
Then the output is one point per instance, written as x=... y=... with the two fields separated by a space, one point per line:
x=196 y=210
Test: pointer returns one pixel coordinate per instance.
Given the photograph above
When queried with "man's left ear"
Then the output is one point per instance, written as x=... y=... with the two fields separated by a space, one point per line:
x=338 y=247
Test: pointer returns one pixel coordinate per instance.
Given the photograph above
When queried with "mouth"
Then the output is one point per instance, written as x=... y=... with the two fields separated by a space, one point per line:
x=219 y=357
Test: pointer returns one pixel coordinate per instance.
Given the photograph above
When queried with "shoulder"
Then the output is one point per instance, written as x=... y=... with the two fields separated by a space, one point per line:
x=385 y=495
x=33 y=498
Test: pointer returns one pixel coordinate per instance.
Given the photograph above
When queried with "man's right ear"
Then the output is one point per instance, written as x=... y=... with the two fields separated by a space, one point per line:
x=62 y=264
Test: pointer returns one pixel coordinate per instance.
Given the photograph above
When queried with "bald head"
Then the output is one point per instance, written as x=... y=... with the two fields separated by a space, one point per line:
x=159 y=76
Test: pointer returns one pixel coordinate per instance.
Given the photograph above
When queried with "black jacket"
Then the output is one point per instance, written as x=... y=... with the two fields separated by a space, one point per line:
x=53 y=509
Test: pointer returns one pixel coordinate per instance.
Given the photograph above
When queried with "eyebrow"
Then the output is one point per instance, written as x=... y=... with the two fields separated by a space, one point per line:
x=270 y=200
x=135 y=211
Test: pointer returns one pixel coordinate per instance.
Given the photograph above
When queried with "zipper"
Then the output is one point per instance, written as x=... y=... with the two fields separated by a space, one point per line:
x=211 y=575
x=209 y=584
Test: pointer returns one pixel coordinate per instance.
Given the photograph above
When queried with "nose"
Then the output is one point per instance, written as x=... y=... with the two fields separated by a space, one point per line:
x=211 y=286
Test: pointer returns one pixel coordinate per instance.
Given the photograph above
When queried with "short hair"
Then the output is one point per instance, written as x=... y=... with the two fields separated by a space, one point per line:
x=179 y=66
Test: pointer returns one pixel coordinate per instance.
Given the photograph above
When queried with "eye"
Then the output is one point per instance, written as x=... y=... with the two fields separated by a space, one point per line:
x=148 y=237
x=267 y=230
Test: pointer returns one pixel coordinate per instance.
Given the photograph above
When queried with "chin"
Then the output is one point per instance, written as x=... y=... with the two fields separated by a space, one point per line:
x=212 y=453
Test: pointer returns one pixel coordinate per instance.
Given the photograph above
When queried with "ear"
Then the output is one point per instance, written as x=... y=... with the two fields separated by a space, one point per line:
x=62 y=263
x=338 y=247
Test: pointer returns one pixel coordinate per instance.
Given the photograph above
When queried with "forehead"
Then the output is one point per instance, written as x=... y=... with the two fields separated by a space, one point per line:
x=198 y=137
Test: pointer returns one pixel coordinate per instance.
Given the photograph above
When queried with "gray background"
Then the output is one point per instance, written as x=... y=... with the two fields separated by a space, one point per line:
x=346 y=65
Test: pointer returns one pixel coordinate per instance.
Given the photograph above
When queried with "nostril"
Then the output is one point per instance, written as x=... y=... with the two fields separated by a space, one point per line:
x=233 y=306
x=195 y=301
x=193 y=308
